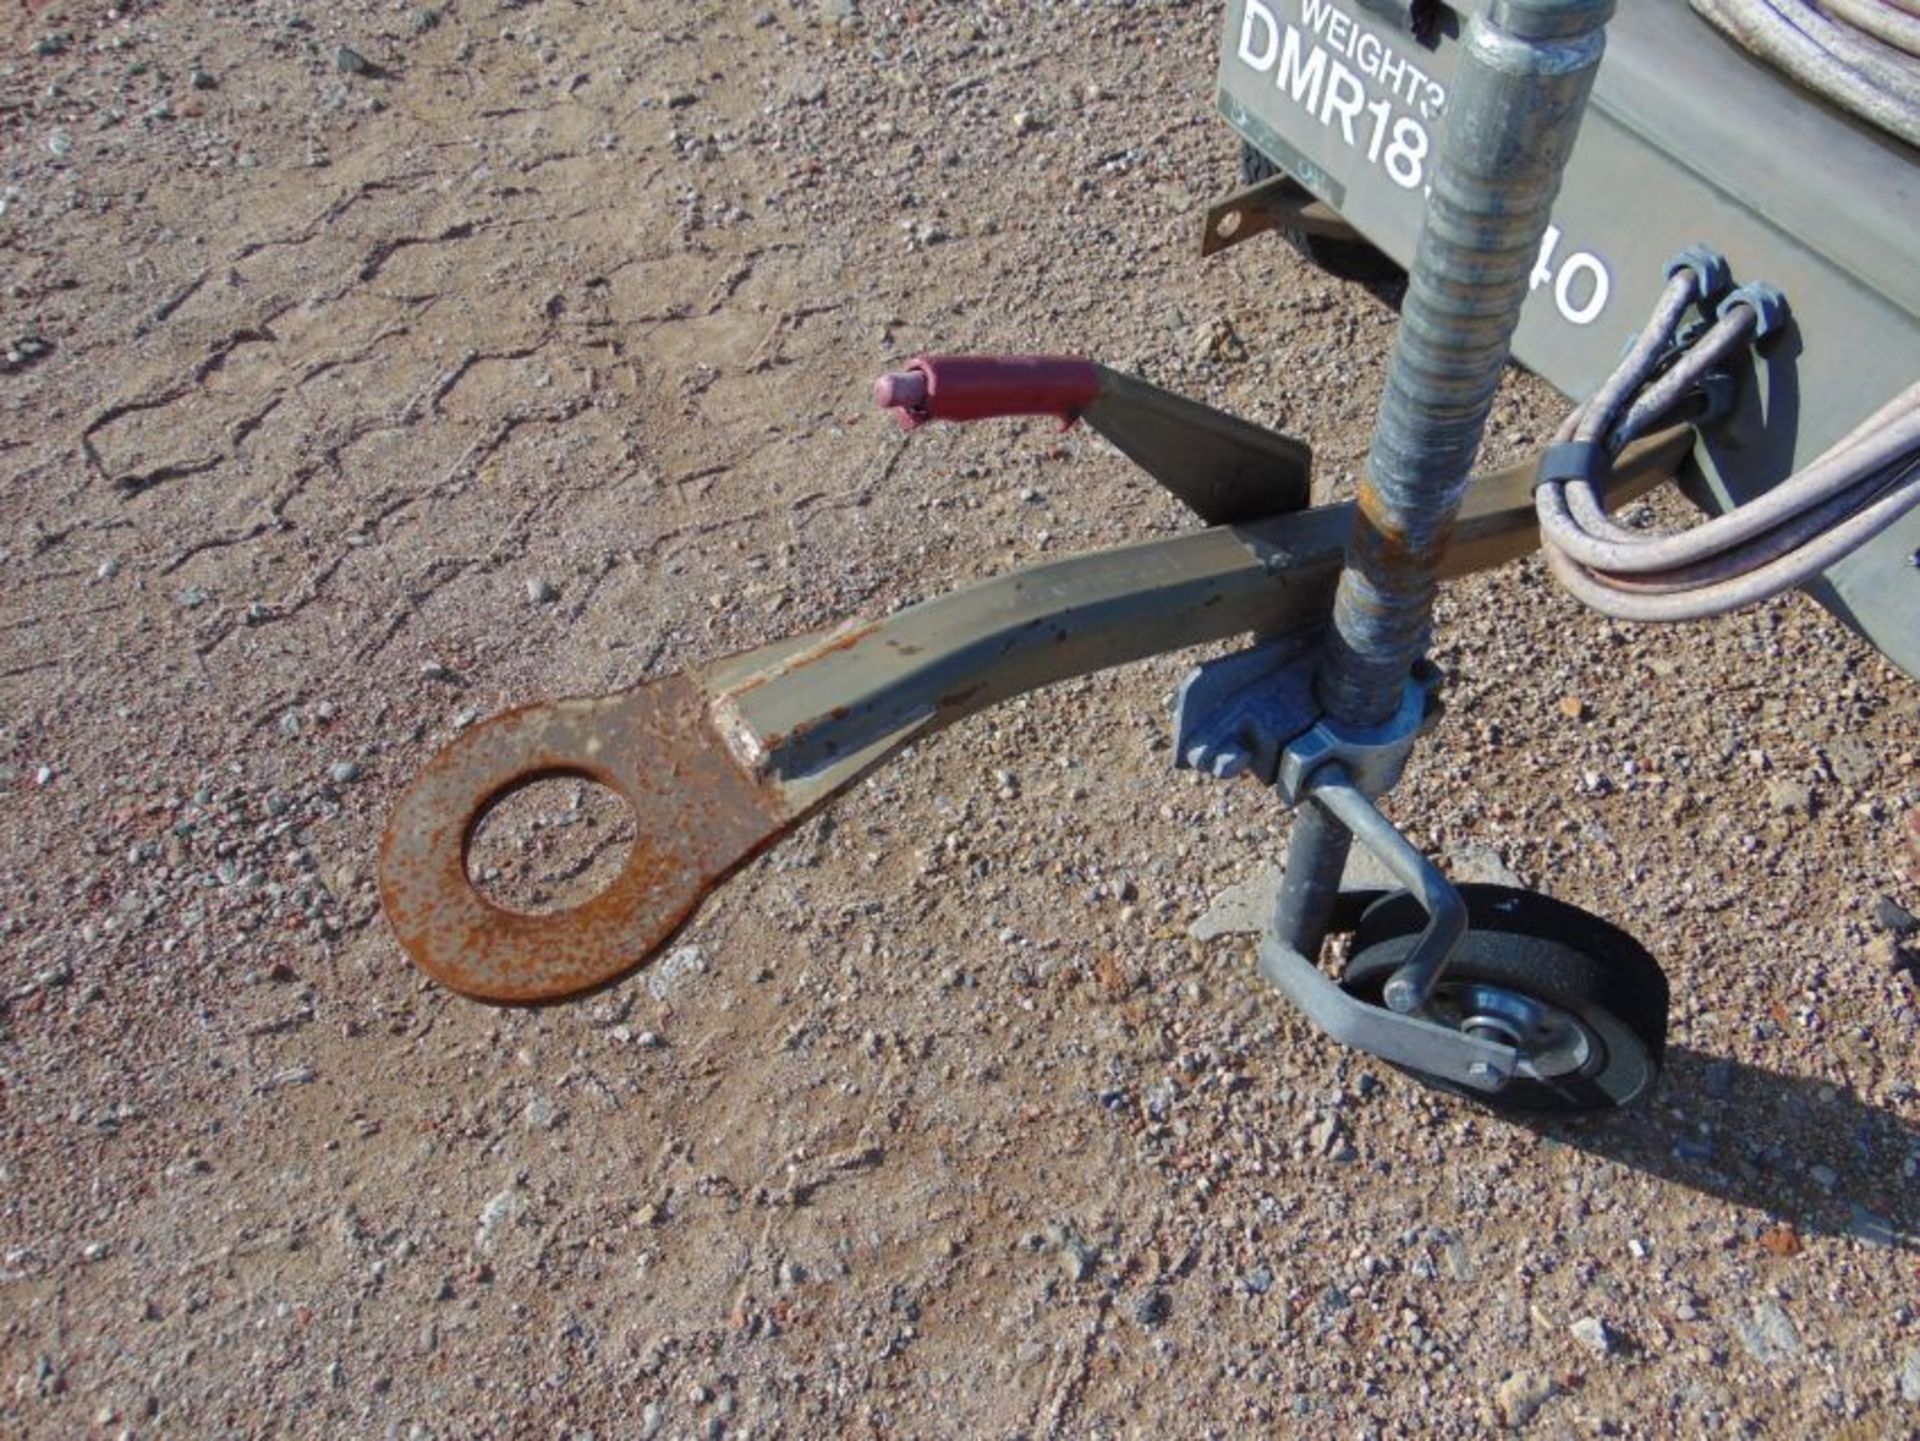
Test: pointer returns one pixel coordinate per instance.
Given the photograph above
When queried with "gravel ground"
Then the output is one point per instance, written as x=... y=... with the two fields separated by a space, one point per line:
x=371 y=366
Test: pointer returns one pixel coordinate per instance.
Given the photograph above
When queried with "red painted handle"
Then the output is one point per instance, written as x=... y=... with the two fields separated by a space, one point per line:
x=978 y=387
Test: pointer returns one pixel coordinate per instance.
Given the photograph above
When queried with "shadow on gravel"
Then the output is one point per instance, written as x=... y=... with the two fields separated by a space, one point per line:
x=1806 y=1152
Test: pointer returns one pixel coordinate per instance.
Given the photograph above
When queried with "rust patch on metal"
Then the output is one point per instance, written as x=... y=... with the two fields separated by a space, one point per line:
x=698 y=815
x=843 y=639
x=1391 y=558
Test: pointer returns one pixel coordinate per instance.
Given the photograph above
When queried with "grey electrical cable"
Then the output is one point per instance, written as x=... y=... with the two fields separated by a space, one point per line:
x=1704 y=602
x=1795 y=534
x=1876 y=88
x=1682 y=289
x=1891 y=69
x=1728 y=335
x=1834 y=472
x=1886 y=23
x=1654 y=403
x=1592 y=421
x=1858 y=487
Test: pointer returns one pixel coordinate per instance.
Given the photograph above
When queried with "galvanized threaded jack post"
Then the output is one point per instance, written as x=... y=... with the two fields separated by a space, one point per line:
x=1526 y=68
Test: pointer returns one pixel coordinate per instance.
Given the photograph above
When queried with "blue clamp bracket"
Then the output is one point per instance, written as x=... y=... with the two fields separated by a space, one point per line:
x=1768 y=305
x=1711 y=273
x=1586 y=460
x=1689 y=332
x=1717 y=390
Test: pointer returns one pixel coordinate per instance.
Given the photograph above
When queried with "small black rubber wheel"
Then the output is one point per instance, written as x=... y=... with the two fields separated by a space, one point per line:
x=1345 y=259
x=1583 y=1002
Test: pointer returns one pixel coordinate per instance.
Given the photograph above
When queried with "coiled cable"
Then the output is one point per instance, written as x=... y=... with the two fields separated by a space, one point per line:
x=1863 y=55
x=1853 y=492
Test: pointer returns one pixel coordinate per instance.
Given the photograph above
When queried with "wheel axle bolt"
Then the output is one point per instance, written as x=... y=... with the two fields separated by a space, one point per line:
x=1485 y=1073
x=1404 y=997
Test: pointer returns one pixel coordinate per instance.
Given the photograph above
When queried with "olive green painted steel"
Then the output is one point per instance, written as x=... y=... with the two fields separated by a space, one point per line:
x=1275 y=203
x=1686 y=140
x=1222 y=468
x=719 y=763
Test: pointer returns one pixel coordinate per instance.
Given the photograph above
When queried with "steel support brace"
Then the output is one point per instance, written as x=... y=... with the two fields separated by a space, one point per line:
x=1277 y=203
x=1408 y=988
